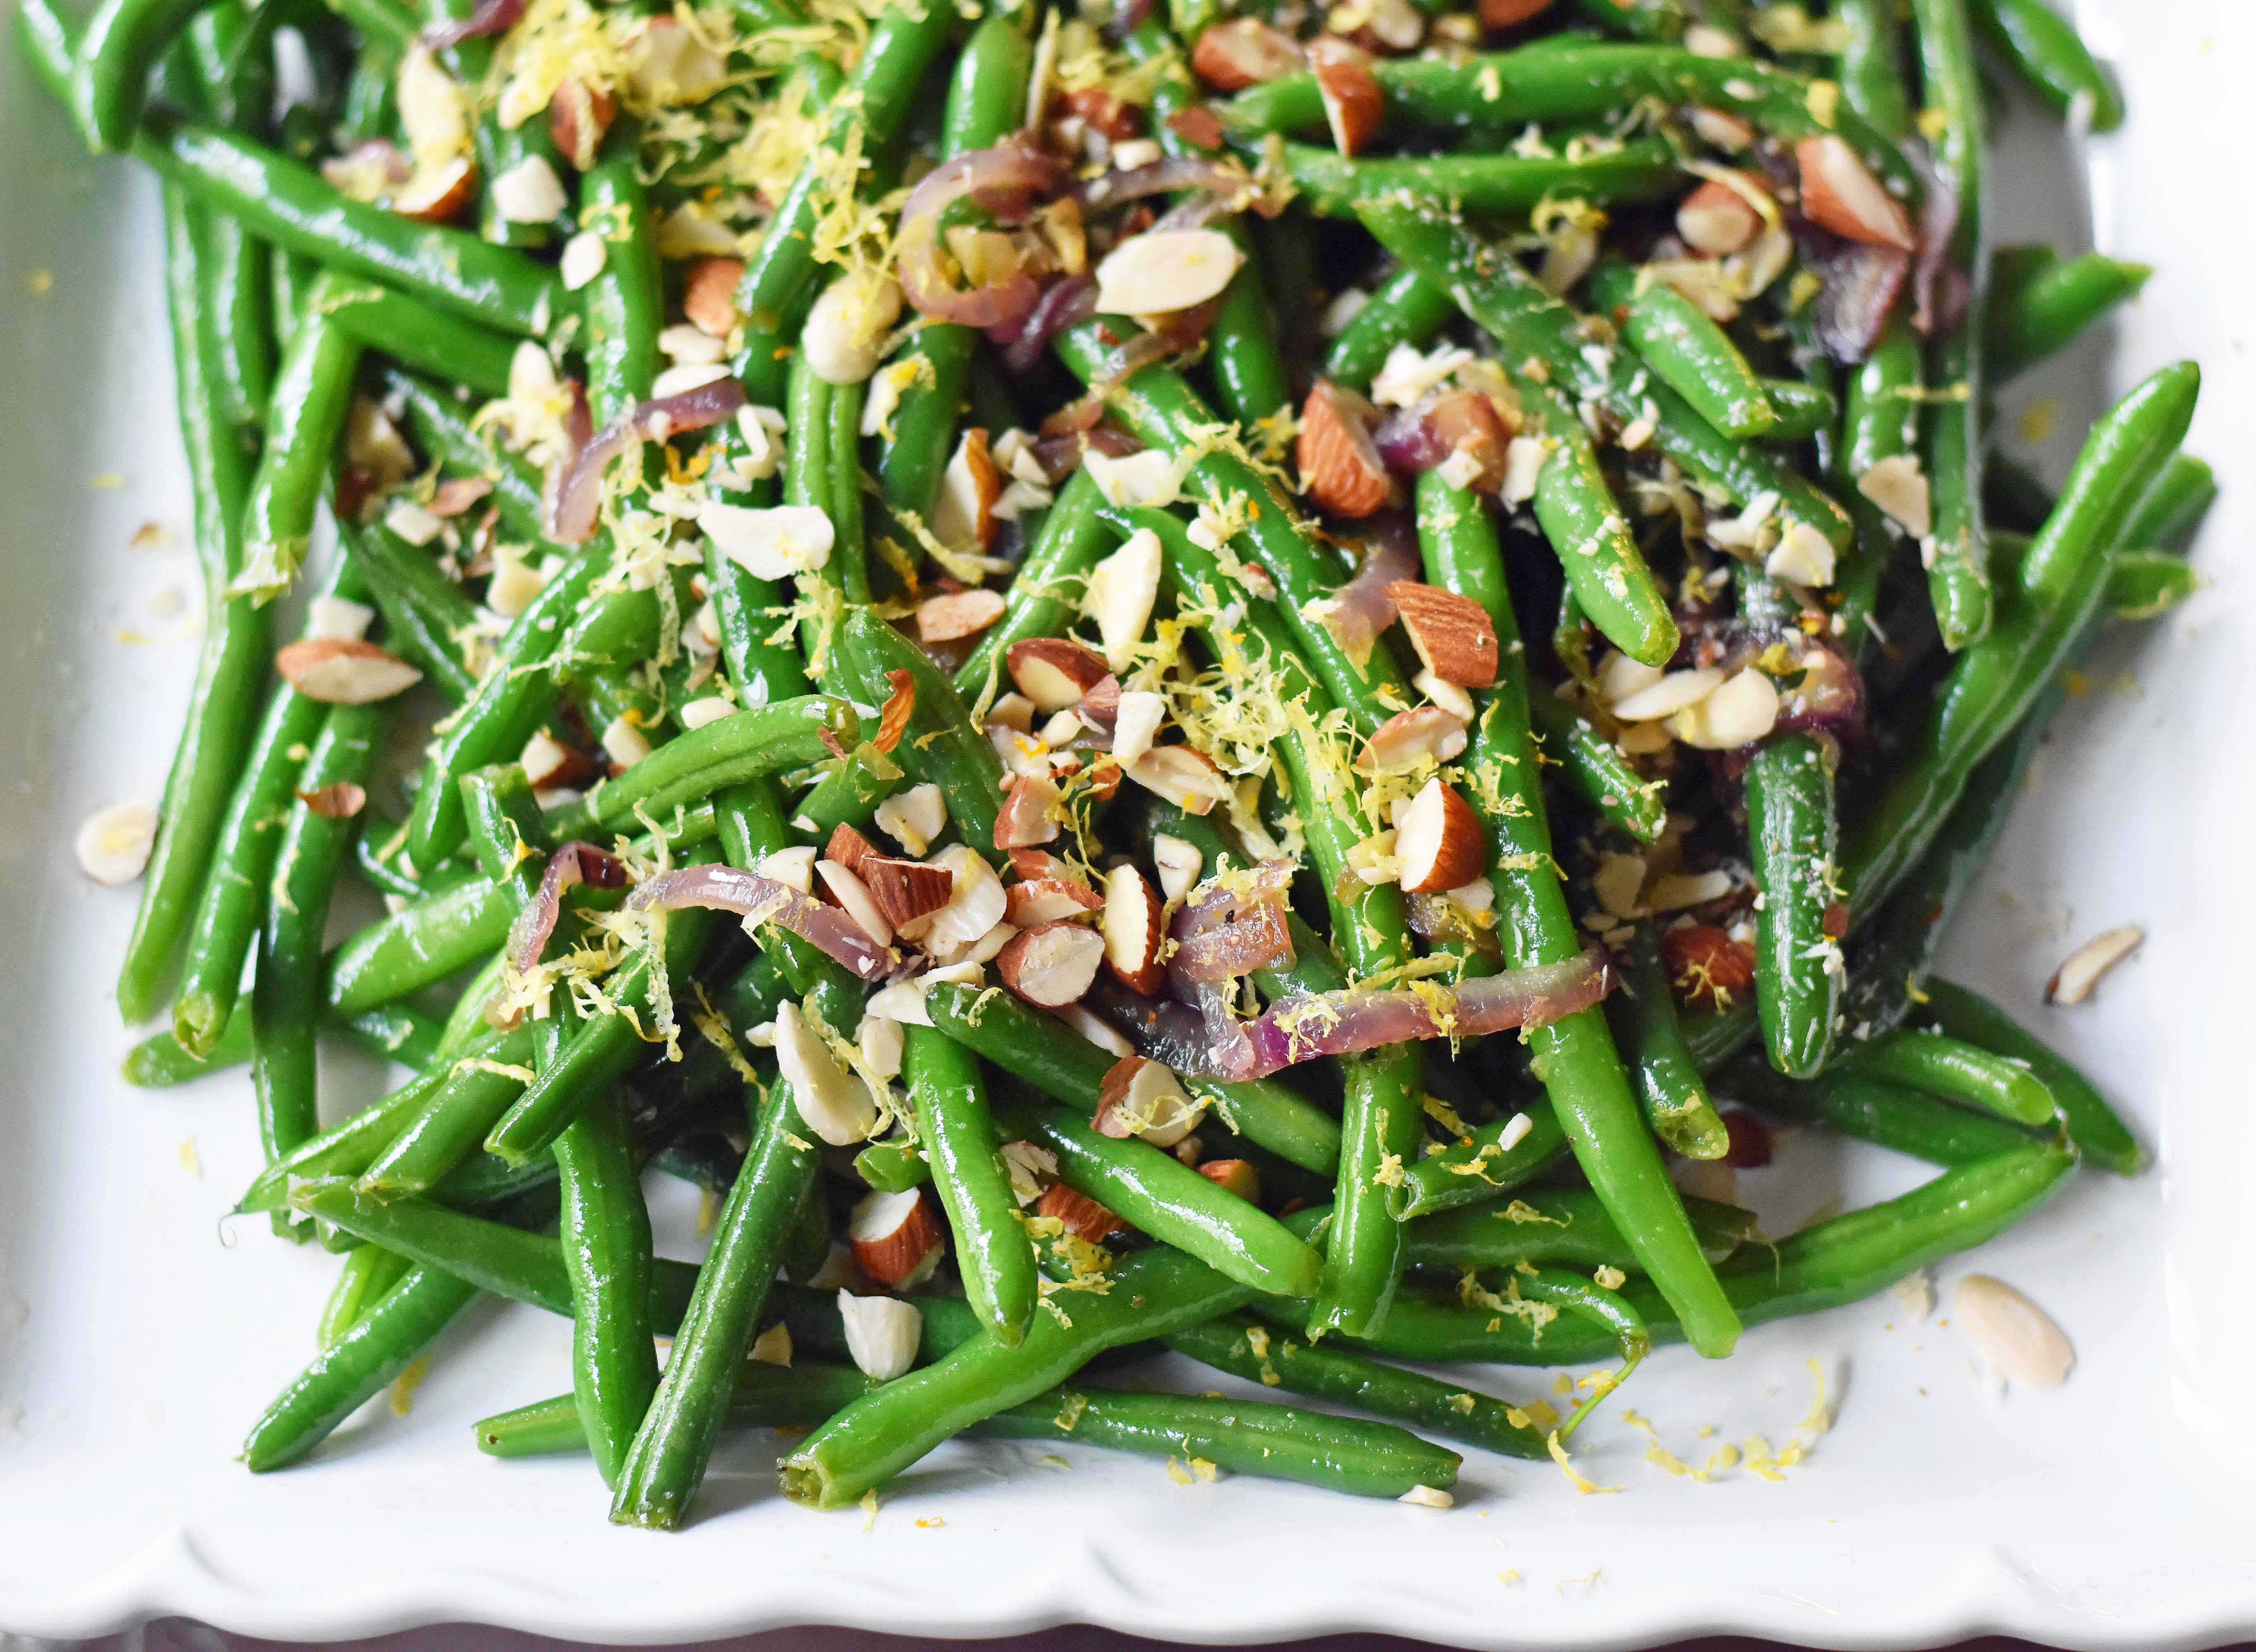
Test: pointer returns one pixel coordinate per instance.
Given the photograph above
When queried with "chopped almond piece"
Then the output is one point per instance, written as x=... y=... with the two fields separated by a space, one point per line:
x=1051 y=964
x=1054 y=673
x=1143 y=1098
x=1717 y=219
x=579 y=115
x=1117 y=119
x=895 y=1237
x=1234 y=1175
x=1440 y=841
x=340 y=671
x=1025 y=818
x=708 y=297
x=1049 y=900
x=958 y=614
x=1353 y=104
x=1339 y=466
x=1410 y=736
x=905 y=890
x=963 y=518
x=441 y=193
x=1199 y=127
x=2073 y=981
x=1135 y=927
x=1083 y=1216
x=1455 y=635
x=848 y=848
x=1245 y=52
x=1510 y=14
x=1184 y=776
x=1840 y=193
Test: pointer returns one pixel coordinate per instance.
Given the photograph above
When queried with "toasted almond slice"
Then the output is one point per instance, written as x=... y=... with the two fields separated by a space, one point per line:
x=844 y=336
x=1803 y=556
x=989 y=945
x=774 y=542
x=1717 y=219
x=1675 y=892
x=1353 y=104
x=1135 y=929
x=1055 y=673
x=2015 y=1337
x=1143 y=1098
x=905 y=890
x=1409 y=737
x=1083 y=1216
x=1723 y=128
x=1025 y=818
x=1244 y=52
x=1454 y=634
x=1014 y=712
x=848 y=848
x=623 y=741
x=2073 y=981
x=1179 y=864
x=528 y=192
x=1051 y=964
x=344 y=670
x=1898 y=486
x=1096 y=1030
x=1840 y=193
x=835 y=1104
x=1184 y=776
x=1427 y=1497
x=1121 y=593
x=1234 y=1175
x=772 y=1346
x=1163 y=270
x=549 y=763
x=708 y=295
x=915 y=818
x=1439 y=841
x=1340 y=468
x=1670 y=693
x=957 y=613
x=331 y=617
x=438 y=193
x=794 y=867
x=895 y=1237
x=1742 y=710
x=881 y=1042
x=1049 y=900
x=882 y=1334
x=579 y=115
x=854 y=896
x=114 y=843
x=1450 y=698
x=963 y=518
x=1100 y=706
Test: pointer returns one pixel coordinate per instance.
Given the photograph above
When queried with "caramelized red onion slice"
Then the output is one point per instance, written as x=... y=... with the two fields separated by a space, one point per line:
x=580 y=496
x=1938 y=300
x=489 y=16
x=1066 y=302
x=1228 y=933
x=762 y=900
x=1007 y=179
x=575 y=863
x=1830 y=698
x=1222 y=178
x=1862 y=285
x=1361 y=609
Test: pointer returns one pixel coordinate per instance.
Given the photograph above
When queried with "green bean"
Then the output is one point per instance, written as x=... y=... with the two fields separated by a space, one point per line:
x=2052 y=57
x=1478 y=1167
x=1576 y=510
x=2143 y=584
x=1687 y=350
x=1872 y=65
x=1575 y=1058
x=1640 y=19
x=1529 y=323
x=1163 y=411
x=1792 y=838
x=417 y=946
x=354 y=1369
x=667 y=1461
x=753 y=828
x=2098 y=1133
x=1152 y=1192
x=306 y=416
x=285 y=999
x=349 y=1147
x=123 y=43
x=237 y=268
x=1805 y=410
x=1492 y=184
x=807 y=467
x=1408 y=310
x=417 y=335
x=799 y=1394
x=424 y=611
x=435 y=419
x=368 y=1273
x=1880 y=420
x=2031 y=318
x=744 y=745
x=1250 y=1351
x=1870 y=1109
x=1486 y=99
x=624 y=305
x=1379 y=1129
x=953 y=1125
x=1991 y=686
x=1956 y=1070
x=859 y=781
x=453 y=1118
x=1601 y=771
x=893 y=1166
x=940 y=743
x=746 y=606
x=2170 y=513
x=1644 y=1023
x=606 y=1245
x=850 y=550
x=1562 y=1226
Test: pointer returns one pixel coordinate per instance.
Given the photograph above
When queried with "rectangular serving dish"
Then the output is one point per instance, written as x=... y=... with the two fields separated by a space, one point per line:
x=139 y=1332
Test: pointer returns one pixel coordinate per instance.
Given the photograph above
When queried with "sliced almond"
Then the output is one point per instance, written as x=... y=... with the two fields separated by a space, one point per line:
x=343 y=670
x=1137 y=717
x=1049 y=900
x=434 y=111
x=2016 y=1338
x=1082 y=1216
x=905 y=890
x=1025 y=818
x=579 y=115
x=974 y=902
x=1899 y=486
x=1340 y=468
x=438 y=193
x=113 y=844
x=1840 y=193
x=1670 y=693
x=1032 y=1169
x=1100 y=706
x=623 y=741
x=772 y=1346
x=1121 y=593
x=1135 y=930
x=963 y=518
x=774 y=542
x=1163 y=270
x=708 y=295
x=1454 y=634
x=2073 y=981
x=1051 y=964
x=956 y=615
x=882 y=1334
x=1723 y=128
x=1179 y=864
x=330 y=617
x=1054 y=673
x=1143 y=1098
x=1014 y=712
x=1234 y=1175
x=1717 y=219
x=895 y=1237
x=833 y=1102
x=1742 y=709
x=848 y=848
x=988 y=945
x=528 y=192
x=1353 y=104
x=914 y=818
x=1411 y=737
x=549 y=763
x=853 y=896
x=1439 y=840
x=1803 y=556
x=794 y=867
x=1446 y=694
x=1185 y=777
x=1245 y=52
x=844 y=335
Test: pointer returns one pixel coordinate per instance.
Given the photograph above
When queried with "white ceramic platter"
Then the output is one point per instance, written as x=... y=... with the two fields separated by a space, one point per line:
x=138 y=1335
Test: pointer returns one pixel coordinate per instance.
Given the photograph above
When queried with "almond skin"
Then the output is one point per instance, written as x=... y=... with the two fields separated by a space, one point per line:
x=1234 y=1175
x=340 y=670
x=1510 y=14
x=1048 y=900
x=1706 y=967
x=1116 y=119
x=708 y=297
x=1083 y=1216
x=1183 y=775
x=956 y=615
x=1353 y=104
x=1439 y=840
x=905 y=890
x=1339 y=466
x=848 y=848
x=1054 y=673
x=1051 y=964
x=1423 y=731
x=1244 y=52
x=440 y=195
x=1024 y=820
x=892 y=1235
x=1840 y=193
x=1134 y=925
x=1716 y=219
x=1454 y=634
x=578 y=117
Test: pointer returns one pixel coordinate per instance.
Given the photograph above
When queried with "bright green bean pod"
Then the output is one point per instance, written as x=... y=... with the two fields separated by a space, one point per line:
x=605 y=1230
x=1497 y=185
x=2171 y=511
x=1042 y=598
x=1247 y=367
x=1558 y=1227
x=941 y=744
x=454 y=1117
x=1668 y=1082
x=2030 y=320
x=1804 y=411
x=1688 y=350
x=416 y=335
x=1601 y=771
x=1662 y=20
x=2097 y=1129
x=992 y=1252
x=1956 y=1070
x=368 y=1273
x=625 y=303
x=2052 y=57
x=1575 y=507
x=1870 y=1109
x=799 y=1394
x=1477 y=1168
x=419 y=945
x=1871 y=72
x=667 y=1461
x=1791 y=839
x=2143 y=584
x=123 y=43
x=690 y=767
x=392 y=1032
x=1408 y=310
x=306 y=416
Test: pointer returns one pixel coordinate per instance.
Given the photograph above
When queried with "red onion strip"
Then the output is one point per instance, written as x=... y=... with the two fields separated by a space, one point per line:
x=580 y=496
x=1360 y=609
x=1005 y=179
x=1228 y=933
x=576 y=863
x=762 y=900
x=491 y=17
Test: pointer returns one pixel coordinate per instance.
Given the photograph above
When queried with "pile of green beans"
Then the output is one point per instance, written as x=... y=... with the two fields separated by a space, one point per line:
x=1136 y=739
